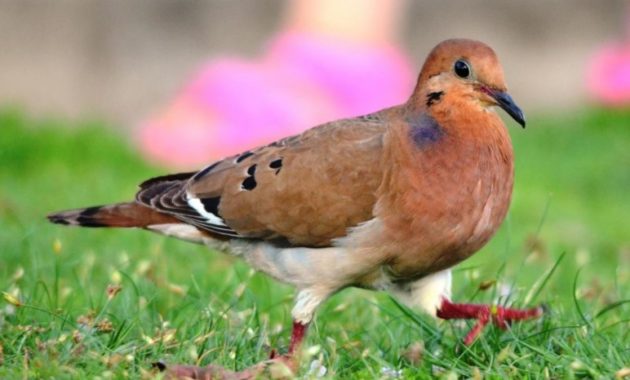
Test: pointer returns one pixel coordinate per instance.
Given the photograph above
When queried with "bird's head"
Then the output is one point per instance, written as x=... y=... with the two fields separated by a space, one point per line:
x=467 y=70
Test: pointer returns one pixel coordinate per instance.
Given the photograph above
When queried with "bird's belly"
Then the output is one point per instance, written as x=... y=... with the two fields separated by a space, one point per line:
x=444 y=242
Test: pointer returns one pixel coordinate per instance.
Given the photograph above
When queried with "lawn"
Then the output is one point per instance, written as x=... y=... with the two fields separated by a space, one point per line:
x=82 y=303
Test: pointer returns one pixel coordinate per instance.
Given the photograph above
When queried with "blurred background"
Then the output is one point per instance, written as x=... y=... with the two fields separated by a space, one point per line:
x=122 y=60
x=96 y=96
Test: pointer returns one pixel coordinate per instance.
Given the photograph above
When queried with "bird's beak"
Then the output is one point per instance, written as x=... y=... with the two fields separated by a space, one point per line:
x=506 y=102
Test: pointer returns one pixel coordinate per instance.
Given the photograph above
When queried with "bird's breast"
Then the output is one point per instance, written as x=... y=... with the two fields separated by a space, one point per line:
x=439 y=206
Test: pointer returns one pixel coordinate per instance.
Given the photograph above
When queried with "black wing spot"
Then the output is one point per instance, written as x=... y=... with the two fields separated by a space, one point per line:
x=211 y=205
x=276 y=164
x=206 y=170
x=434 y=97
x=249 y=183
x=244 y=156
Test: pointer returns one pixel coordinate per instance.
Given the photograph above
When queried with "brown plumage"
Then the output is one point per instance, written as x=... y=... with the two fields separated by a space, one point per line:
x=387 y=201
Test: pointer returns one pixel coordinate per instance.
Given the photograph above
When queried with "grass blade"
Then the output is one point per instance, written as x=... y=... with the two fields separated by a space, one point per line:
x=418 y=321
x=575 y=300
x=610 y=307
x=535 y=292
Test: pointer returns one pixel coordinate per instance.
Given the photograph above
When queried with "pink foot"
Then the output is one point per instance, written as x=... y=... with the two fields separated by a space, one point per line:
x=500 y=316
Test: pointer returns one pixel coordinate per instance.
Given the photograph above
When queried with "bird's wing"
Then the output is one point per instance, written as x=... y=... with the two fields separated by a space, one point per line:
x=304 y=190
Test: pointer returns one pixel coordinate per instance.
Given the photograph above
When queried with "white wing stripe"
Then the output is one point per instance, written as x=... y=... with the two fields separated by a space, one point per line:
x=196 y=204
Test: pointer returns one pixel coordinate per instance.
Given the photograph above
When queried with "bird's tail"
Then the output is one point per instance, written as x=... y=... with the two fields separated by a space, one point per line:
x=130 y=214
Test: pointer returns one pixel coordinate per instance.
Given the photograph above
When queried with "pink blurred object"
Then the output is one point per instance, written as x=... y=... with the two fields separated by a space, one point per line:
x=232 y=105
x=608 y=75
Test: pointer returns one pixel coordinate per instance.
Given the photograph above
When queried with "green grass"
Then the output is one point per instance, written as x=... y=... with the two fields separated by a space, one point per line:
x=183 y=303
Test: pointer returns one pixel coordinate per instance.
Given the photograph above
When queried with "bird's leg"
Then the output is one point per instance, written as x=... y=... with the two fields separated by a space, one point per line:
x=499 y=315
x=277 y=366
x=297 y=337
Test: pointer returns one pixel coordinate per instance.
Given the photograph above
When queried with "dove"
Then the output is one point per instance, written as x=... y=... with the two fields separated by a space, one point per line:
x=388 y=201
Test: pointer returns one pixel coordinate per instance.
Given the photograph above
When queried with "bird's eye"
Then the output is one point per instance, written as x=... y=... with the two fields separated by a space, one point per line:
x=461 y=68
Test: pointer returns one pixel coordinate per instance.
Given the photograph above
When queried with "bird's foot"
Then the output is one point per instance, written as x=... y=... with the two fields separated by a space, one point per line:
x=499 y=315
x=279 y=367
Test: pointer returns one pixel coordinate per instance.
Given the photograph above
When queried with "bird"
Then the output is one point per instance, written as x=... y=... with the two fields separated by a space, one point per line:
x=388 y=201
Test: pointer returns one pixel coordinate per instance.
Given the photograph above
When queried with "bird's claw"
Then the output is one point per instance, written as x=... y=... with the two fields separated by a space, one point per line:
x=499 y=315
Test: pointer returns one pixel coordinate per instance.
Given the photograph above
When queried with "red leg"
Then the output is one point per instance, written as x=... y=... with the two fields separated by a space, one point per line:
x=499 y=315
x=476 y=329
x=297 y=336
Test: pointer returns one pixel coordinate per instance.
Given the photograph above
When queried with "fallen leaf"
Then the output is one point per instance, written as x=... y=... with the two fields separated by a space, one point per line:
x=104 y=326
x=12 y=299
x=86 y=319
x=113 y=290
x=476 y=374
x=414 y=353
x=177 y=289
x=623 y=373
x=77 y=337
x=485 y=285
x=113 y=360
